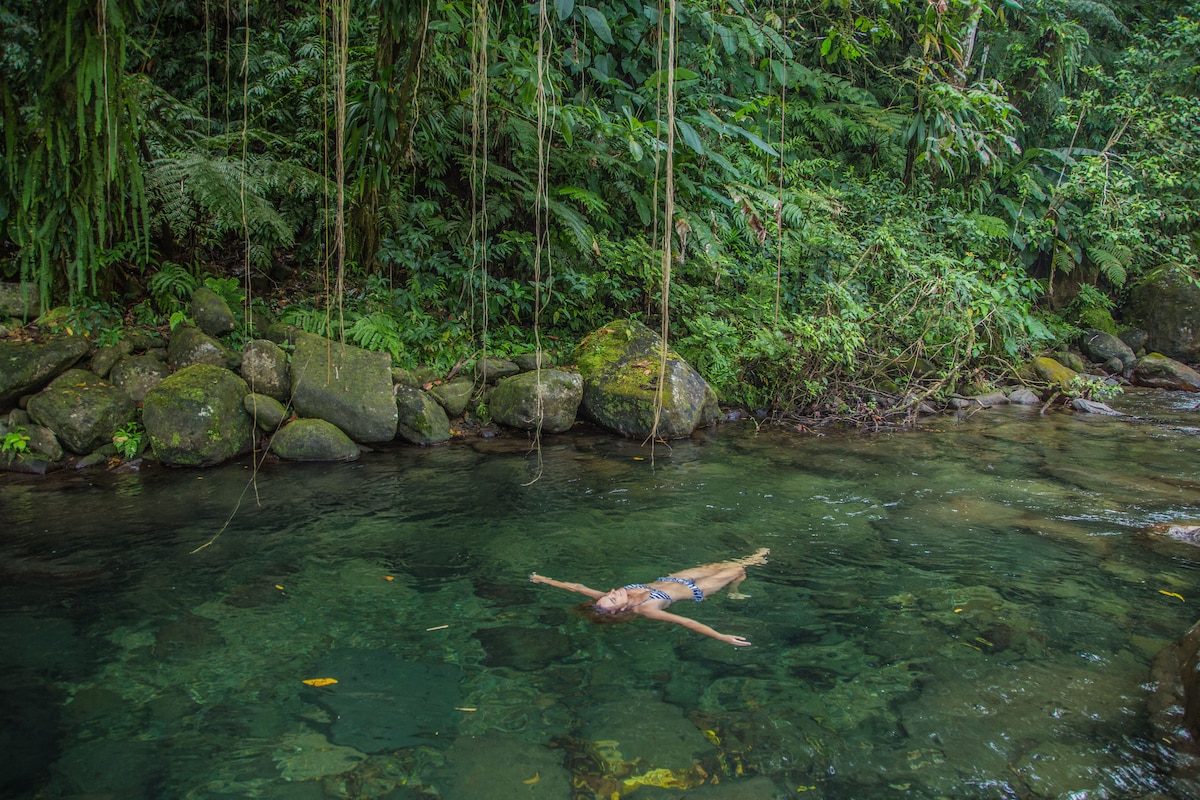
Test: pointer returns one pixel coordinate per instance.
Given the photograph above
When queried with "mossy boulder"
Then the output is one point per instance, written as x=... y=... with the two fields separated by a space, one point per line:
x=138 y=375
x=313 y=440
x=422 y=421
x=1053 y=372
x=19 y=300
x=211 y=312
x=26 y=368
x=196 y=418
x=106 y=357
x=547 y=398
x=453 y=395
x=1103 y=348
x=265 y=368
x=189 y=345
x=346 y=385
x=1168 y=309
x=267 y=412
x=490 y=370
x=1159 y=372
x=82 y=409
x=619 y=364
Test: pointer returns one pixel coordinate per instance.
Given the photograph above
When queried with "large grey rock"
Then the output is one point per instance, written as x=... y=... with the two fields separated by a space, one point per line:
x=82 y=409
x=189 y=345
x=313 y=440
x=1102 y=348
x=211 y=312
x=1157 y=371
x=421 y=420
x=20 y=300
x=619 y=364
x=345 y=385
x=515 y=401
x=265 y=368
x=26 y=368
x=138 y=375
x=196 y=417
x=1168 y=309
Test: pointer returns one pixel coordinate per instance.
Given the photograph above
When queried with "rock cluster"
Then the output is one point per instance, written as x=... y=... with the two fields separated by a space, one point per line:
x=196 y=400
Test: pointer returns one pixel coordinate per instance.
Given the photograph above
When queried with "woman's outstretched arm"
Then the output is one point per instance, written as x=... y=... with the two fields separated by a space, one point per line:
x=570 y=587
x=698 y=627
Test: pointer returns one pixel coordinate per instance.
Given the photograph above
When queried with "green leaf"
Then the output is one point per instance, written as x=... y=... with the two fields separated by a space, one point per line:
x=597 y=22
x=690 y=136
x=659 y=77
x=564 y=8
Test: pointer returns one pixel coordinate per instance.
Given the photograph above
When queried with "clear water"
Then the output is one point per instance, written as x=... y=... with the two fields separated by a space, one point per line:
x=964 y=612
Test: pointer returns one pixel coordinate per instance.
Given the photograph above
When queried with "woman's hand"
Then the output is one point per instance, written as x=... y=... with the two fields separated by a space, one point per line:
x=535 y=578
x=737 y=641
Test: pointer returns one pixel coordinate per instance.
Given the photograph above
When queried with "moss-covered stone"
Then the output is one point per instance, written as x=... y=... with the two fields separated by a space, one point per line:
x=1157 y=371
x=515 y=401
x=453 y=395
x=266 y=411
x=619 y=364
x=82 y=409
x=265 y=368
x=346 y=385
x=189 y=345
x=1053 y=372
x=196 y=417
x=313 y=440
x=26 y=368
x=421 y=420
x=211 y=312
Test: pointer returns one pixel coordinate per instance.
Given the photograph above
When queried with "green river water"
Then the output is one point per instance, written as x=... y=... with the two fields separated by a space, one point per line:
x=964 y=611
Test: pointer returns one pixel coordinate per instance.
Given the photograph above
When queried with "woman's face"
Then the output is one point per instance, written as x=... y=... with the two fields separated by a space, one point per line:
x=616 y=601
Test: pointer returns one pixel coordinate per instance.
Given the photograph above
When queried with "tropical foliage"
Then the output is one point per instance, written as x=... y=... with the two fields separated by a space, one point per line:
x=865 y=194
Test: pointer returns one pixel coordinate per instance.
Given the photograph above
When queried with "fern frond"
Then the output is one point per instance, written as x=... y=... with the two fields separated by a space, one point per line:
x=377 y=331
x=989 y=226
x=1111 y=263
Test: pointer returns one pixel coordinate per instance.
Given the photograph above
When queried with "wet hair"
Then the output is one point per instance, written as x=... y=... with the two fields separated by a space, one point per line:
x=589 y=611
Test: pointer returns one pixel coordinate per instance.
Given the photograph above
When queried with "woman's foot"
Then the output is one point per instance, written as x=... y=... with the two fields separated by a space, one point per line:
x=738 y=596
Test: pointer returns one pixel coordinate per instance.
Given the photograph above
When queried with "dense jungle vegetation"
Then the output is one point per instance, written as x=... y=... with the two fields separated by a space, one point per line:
x=826 y=199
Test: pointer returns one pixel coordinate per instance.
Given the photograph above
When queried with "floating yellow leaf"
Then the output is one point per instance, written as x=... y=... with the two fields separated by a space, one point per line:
x=638 y=458
x=320 y=681
x=1171 y=594
x=388 y=578
x=280 y=588
x=537 y=776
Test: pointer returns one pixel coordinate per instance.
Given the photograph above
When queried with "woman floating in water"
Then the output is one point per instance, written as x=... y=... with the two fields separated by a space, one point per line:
x=652 y=599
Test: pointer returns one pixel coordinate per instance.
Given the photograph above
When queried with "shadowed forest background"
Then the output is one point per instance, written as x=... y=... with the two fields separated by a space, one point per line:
x=830 y=199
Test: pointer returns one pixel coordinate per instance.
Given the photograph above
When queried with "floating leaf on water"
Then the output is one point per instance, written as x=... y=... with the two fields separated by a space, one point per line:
x=320 y=681
x=1171 y=594
x=537 y=776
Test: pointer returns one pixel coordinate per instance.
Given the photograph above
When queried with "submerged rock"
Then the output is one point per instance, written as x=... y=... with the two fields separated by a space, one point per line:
x=619 y=364
x=196 y=417
x=1175 y=707
x=382 y=703
x=525 y=649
